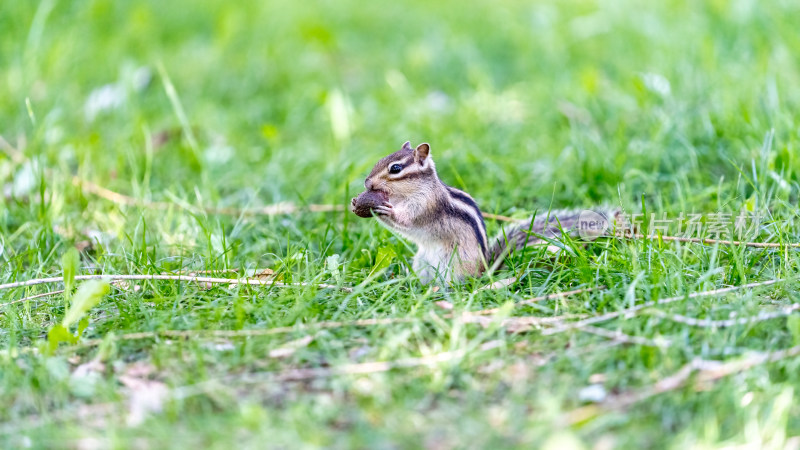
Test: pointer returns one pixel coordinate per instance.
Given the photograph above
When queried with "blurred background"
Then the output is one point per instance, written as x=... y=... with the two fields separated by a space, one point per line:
x=667 y=106
x=524 y=102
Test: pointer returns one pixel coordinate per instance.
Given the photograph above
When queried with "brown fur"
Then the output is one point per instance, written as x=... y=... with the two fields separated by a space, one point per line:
x=450 y=235
x=444 y=222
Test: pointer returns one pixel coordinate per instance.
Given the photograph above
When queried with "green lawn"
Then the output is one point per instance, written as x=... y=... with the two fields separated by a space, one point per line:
x=202 y=113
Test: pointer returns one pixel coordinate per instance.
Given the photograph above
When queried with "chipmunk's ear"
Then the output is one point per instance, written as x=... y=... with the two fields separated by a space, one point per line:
x=407 y=146
x=421 y=153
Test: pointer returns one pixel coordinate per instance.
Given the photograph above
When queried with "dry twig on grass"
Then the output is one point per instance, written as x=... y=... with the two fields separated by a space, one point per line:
x=194 y=334
x=629 y=312
x=710 y=323
x=622 y=338
x=706 y=372
x=268 y=210
x=290 y=375
x=529 y=301
x=32 y=297
x=245 y=281
x=323 y=372
x=707 y=241
x=512 y=324
x=354 y=369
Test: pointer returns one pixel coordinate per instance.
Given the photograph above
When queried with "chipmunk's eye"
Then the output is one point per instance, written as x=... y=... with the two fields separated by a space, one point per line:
x=396 y=168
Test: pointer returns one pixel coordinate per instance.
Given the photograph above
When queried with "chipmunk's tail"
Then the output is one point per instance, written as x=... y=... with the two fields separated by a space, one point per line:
x=587 y=224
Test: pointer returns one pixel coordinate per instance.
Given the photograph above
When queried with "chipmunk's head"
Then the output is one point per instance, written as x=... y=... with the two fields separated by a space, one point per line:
x=404 y=173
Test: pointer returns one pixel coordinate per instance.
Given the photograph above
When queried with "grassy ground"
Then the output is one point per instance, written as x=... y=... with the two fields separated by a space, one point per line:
x=667 y=107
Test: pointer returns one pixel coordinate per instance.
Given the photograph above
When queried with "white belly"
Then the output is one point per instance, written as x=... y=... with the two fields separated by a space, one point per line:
x=433 y=263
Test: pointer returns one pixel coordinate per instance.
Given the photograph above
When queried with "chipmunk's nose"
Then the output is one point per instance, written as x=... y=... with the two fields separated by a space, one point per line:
x=368 y=184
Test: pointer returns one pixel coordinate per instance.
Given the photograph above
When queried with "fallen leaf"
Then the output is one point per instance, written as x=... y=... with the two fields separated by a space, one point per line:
x=264 y=273
x=82 y=246
x=145 y=395
x=596 y=378
x=444 y=304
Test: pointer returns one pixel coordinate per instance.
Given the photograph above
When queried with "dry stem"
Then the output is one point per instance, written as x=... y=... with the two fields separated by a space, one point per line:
x=529 y=301
x=707 y=371
x=247 y=281
x=707 y=241
x=32 y=297
x=628 y=312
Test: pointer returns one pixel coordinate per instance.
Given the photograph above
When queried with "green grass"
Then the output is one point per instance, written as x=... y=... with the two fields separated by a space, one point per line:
x=662 y=107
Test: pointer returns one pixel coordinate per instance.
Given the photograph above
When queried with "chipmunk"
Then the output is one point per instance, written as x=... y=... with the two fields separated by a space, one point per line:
x=405 y=194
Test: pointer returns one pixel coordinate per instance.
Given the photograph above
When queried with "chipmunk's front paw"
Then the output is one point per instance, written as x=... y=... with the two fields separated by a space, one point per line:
x=385 y=209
